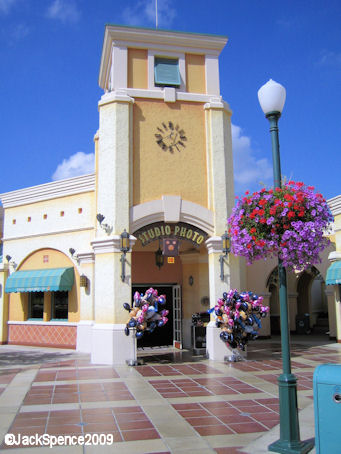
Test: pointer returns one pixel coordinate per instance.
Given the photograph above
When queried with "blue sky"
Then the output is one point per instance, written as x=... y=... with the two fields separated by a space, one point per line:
x=50 y=53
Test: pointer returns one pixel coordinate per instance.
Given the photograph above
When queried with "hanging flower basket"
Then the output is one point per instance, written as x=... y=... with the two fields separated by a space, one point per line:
x=288 y=222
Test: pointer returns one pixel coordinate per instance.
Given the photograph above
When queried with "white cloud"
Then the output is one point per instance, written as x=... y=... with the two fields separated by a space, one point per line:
x=20 y=31
x=143 y=13
x=6 y=5
x=78 y=164
x=330 y=58
x=250 y=172
x=63 y=10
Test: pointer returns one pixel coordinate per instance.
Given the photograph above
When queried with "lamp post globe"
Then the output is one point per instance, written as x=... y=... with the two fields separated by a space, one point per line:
x=271 y=98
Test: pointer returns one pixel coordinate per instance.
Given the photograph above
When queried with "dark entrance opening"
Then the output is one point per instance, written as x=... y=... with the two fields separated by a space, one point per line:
x=164 y=335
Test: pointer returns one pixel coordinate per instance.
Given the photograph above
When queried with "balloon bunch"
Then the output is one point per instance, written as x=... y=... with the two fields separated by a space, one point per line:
x=144 y=312
x=238 y=315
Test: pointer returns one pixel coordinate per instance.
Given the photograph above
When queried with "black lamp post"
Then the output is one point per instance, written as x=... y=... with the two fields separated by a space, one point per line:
x=225 y=249
x=272 y=98
x=124 y=247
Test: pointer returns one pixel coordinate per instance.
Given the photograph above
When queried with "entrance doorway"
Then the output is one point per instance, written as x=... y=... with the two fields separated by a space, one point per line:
x=169 y=332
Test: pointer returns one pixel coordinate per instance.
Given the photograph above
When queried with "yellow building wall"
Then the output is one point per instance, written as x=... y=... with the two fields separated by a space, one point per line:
x=157 y=172
x=18 y=305
x=195 y=73
x=138 y=68
x=337 y=226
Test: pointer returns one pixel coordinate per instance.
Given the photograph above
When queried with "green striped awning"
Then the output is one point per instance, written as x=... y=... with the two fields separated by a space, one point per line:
x=334 y=273
x=48 y=280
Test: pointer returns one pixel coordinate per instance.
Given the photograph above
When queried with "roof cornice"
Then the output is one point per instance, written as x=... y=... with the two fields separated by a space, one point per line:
x=47 y=191
x=335 y=205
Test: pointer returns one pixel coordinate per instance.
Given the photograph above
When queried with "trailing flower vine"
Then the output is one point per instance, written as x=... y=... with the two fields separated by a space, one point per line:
x=288 y=222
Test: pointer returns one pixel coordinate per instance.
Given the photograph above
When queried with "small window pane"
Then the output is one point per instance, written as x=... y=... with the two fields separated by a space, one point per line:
x=36 y=305
x=60 y=305
x=166 y=72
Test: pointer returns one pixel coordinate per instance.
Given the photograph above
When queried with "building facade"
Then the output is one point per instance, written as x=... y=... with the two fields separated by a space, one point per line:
x=163 y=170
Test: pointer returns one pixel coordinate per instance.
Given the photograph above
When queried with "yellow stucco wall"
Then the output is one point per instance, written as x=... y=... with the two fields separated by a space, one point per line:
x=137 y=68
x=18 y=306
x=337 y=226
x=157 y=172
x=195 y=73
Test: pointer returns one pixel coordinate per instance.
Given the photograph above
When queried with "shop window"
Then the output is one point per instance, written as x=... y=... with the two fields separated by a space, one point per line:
x=60 y=305
x=36 y=305
x=166 y=72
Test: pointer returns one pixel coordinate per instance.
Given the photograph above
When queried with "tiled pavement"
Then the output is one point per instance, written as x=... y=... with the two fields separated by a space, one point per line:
x=174 y=404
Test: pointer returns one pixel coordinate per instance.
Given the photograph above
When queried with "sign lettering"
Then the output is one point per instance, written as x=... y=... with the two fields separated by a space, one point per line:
x=181 y=231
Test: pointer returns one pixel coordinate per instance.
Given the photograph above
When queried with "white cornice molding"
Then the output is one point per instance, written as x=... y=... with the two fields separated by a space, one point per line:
x=335 y=205
x=115 y=96
x=47 y=191
x=43 y=234
x=156 y=39
x=334 y=256
x=214 y=244
x=111 y=244
x=85 y=257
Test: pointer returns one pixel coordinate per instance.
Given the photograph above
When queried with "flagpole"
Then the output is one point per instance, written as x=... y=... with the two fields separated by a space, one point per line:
x=156 y=24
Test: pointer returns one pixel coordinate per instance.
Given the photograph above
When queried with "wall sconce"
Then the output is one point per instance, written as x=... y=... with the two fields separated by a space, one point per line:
x=72 y=251
x=159 y=258
x=106 y=227
x=8 y=258
x=225 y=249
x=125 y=246
x=83 y=281
x=191 y=281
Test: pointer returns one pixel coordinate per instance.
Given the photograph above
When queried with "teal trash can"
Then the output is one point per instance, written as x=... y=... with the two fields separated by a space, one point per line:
x=327 y=406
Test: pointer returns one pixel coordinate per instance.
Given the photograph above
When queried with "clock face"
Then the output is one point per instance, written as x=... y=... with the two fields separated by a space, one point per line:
x=170 y=137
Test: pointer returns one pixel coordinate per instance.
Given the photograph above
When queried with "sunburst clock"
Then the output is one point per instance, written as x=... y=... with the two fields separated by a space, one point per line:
x=170 y=137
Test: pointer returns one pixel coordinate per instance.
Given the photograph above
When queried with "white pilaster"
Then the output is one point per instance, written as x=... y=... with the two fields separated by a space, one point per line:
x=86 y=262
x=111 y=345
x=216 y=348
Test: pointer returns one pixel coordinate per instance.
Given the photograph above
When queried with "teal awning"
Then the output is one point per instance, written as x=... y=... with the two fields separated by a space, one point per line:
x=48 y=280
x=334 y=273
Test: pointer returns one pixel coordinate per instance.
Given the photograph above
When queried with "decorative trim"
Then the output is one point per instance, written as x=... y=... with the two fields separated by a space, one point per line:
x=214 y=244
x=115 y=96
x=85 y=257
x=48 y=191
x=159 y=93
x=335 y=205
x=155 y=211
x=50 y=323
x=112 y=244
x=218 y=103
x=58 y=232
x=334 y=256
